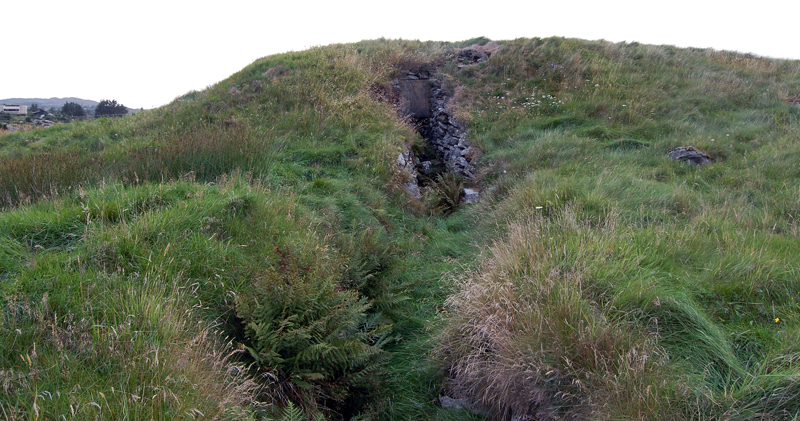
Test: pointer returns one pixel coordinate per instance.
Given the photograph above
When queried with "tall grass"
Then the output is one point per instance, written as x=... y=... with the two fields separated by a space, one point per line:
x=531 y=336
x=142 y=357
x=206 y=152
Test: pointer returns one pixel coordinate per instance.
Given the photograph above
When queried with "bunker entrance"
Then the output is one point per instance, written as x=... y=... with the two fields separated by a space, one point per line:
x=446 y=150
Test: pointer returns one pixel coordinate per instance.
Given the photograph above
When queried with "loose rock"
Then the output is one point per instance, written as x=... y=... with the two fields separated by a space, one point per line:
x=470 y=196
x=691 y=155
x=275 y=72
x=452 y=403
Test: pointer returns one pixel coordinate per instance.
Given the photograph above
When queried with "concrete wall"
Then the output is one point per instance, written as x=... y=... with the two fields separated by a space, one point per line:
x=414 y=98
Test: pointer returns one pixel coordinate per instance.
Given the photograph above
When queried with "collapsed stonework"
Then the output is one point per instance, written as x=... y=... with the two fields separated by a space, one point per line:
x=448 y=138
x=425 y=104
x=408 y=162
x=422 y=100
x=476 y=53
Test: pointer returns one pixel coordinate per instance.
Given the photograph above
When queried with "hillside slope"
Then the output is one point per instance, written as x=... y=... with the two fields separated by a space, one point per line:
x=292 y=240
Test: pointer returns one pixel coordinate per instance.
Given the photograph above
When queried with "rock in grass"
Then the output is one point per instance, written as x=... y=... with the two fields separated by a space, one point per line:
x=691 y=155
x=470 y=196
x=452 y=403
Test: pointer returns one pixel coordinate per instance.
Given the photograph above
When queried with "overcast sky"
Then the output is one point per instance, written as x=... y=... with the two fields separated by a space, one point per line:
x=146 y=53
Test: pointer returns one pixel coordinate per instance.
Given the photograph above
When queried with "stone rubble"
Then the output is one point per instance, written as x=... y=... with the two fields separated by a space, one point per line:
x=472 y=55
x=476 y=53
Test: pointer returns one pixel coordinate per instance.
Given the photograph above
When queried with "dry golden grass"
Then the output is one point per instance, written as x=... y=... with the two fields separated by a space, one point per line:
x=532 y=342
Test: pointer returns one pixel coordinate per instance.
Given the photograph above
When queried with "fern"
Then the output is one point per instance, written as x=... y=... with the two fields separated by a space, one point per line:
x=301 y=325
x=292 y=413
x=447 y=191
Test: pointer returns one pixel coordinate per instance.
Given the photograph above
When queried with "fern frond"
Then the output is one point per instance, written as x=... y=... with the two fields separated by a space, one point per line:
x=292 y=413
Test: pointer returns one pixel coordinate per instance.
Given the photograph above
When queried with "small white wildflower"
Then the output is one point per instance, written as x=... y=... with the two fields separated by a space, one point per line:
x=597 y=84
x=538 y=207
x=712 y=140
x=624 y=105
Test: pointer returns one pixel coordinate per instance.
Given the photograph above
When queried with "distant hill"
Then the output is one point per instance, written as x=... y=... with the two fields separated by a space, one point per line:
x=51 y=102
x=46 y=103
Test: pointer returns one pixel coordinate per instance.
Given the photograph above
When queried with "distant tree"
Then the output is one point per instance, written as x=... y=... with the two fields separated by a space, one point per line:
x=110 y=108
x=33 y=108
x=72 y=109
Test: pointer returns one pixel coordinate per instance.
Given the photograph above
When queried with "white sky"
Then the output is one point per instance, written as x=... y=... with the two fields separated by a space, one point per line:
x=145 y=53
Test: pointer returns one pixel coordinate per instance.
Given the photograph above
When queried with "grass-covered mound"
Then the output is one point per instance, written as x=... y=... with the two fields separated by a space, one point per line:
x=629 y=285
x=248 y=251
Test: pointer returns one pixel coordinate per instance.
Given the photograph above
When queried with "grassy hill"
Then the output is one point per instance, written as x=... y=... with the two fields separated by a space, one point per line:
x=252 y=251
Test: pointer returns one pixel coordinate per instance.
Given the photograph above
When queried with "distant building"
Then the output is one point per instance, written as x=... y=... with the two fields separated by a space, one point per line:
x=14 y=109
